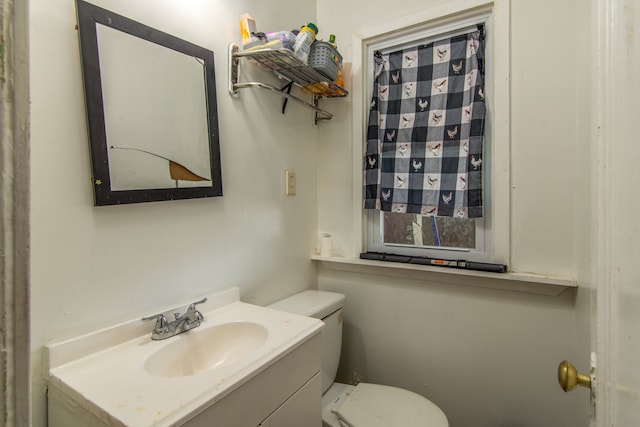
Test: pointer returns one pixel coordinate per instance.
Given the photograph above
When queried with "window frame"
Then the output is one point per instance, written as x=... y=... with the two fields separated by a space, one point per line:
x=373 y=218
x=436 y=23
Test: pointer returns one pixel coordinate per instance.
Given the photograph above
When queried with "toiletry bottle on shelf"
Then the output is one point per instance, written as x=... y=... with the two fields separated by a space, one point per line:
x=247 y=27
x=339 y=80
x=305 y=37
x=332 y=40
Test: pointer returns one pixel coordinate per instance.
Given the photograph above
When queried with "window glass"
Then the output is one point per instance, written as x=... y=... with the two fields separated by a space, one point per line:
x=428 y=231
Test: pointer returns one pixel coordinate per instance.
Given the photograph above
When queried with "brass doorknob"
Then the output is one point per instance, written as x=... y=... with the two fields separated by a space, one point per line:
x=568 y=377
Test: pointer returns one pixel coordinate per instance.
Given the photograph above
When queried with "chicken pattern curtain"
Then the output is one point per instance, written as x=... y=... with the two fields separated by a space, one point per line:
x=425 y=129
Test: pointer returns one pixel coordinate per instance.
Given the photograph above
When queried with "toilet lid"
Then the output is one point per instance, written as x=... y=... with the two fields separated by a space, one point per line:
x=374 y=405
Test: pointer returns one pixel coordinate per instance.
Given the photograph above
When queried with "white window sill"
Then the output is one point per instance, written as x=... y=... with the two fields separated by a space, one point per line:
x=516 y=282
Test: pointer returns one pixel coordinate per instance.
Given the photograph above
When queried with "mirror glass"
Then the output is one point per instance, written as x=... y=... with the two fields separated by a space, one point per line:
x=152 y=113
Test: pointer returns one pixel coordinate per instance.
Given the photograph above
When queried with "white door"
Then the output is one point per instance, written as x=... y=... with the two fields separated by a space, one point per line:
x=616 y=315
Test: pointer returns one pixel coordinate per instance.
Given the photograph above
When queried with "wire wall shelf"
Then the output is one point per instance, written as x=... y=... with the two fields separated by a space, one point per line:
x=287 y=67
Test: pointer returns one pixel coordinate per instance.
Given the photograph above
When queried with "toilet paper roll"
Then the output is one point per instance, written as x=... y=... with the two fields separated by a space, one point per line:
x=326 y=244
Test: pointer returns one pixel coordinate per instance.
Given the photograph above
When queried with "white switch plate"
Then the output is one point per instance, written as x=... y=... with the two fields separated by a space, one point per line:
x=290 y=182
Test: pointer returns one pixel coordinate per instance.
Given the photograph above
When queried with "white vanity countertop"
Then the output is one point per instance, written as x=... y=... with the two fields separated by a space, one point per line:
x=108 y=378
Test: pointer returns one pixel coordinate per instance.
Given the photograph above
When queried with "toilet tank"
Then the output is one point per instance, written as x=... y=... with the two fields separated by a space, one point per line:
x=326 y=306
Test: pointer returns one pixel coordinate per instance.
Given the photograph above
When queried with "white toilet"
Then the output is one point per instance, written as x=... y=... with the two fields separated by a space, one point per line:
x=363 y=405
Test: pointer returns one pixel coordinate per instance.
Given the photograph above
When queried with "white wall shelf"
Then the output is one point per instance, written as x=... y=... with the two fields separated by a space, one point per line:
x=510 y=281
x=288 y=67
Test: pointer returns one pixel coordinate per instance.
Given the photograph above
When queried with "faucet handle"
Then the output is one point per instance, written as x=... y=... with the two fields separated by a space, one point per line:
x=192 y=306
x=161 y=321
x=192 y=314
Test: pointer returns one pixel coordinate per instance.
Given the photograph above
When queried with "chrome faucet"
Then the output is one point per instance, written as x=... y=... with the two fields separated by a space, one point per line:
x=182 y=323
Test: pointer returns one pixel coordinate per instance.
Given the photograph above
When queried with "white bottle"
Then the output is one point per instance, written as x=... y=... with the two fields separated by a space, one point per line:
x=303 y=41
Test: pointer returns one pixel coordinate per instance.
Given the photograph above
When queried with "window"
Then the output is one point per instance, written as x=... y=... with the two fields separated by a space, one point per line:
x=419 y=234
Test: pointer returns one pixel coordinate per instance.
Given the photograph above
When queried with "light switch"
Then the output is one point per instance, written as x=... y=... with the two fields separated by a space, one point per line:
x=290 y=182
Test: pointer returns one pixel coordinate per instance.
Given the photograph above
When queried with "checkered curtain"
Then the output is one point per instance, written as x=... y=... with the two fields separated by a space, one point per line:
x=424 y=135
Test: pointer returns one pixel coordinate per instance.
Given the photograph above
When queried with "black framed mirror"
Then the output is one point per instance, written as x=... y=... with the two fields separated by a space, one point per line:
x=151 y=111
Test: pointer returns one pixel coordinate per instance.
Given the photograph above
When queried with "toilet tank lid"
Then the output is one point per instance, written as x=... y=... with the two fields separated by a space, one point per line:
x=317 y=304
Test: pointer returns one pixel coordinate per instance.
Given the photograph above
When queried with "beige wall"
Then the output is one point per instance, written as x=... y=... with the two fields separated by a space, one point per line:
x=487 y=357
x=92 y=267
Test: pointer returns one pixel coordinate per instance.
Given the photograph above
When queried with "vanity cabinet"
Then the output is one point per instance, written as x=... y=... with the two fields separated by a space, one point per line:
x=285 y=394
x=107 y=378
x=301 y=409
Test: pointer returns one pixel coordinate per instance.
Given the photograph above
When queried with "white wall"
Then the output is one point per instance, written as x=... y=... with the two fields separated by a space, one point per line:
x=92 y=267
x=488 y=358
x=544 y=145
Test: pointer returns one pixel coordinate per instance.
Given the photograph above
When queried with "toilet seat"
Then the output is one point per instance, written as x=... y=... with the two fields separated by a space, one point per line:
x=374 y=405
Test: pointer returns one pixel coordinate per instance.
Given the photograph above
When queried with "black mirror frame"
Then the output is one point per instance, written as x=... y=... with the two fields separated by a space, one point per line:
x=88 y=16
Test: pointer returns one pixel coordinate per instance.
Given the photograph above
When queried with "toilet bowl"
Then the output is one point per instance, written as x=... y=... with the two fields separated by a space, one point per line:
x=362 y=405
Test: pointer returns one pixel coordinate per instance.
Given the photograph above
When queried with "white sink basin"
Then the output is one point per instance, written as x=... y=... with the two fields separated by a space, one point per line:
x=201 y=350
x=123 y=377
